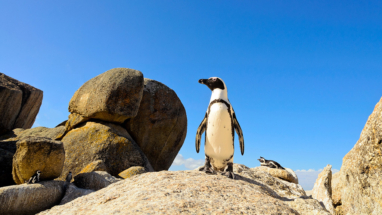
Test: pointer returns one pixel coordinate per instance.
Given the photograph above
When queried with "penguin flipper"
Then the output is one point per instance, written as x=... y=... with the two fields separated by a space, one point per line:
x=199 y=132
x=239 y=132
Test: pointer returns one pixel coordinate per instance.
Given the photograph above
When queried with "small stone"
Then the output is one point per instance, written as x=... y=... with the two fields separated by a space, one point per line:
x=132 y=171
x=97 y=165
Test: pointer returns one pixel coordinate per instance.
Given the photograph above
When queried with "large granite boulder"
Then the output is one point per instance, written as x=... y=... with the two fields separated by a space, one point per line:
x=101 y=141
x=160 y=126
x=287 y=175
x=72 y=192
x=112 y=96
x=322 y=190
x=19 y=104
x=8 y=148
x=30 y=198
x=194 y=192
x=37 y=153
x=94 y=180
x=361 y=170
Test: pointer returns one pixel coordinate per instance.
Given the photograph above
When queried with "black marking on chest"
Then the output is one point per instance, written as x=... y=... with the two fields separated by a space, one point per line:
x=226 y=160
x=230 y=115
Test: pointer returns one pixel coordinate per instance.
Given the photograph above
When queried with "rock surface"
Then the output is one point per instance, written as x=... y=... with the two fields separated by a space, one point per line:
x=30 y=198
x=160 y=126
x=322 y=190
x=94 y=180
x=294 y=175
x=19 y=104
x=37 y=153
x=280 y=173
x=336 y=189
x=72 y=192
x=51 y=133
x=194 y=192
x=112 y=96
x=361 y=170
x=132 y=171
x=102 y=141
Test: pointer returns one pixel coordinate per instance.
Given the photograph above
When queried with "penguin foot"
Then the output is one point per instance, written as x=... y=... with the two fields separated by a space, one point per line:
x=207 y=170
x=229 y=174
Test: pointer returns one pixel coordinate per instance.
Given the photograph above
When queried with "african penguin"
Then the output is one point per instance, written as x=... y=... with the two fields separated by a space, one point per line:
x=270 y=163
x=69 y=177
x=35 y=178
x=219 y=124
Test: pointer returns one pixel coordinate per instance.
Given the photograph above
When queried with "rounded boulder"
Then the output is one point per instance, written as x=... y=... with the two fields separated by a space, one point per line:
x=160 y=126
x=113 y=96
x=96 y=143
x=37 y=153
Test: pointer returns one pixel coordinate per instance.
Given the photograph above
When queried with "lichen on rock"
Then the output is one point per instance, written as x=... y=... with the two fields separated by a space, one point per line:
x=37 y=153
x=101 y=141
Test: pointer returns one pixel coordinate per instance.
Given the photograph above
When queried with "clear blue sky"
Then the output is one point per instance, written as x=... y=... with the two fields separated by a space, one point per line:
x=303 y=77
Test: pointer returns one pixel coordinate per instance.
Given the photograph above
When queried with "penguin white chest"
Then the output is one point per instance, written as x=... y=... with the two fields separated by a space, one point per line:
x=219 y=135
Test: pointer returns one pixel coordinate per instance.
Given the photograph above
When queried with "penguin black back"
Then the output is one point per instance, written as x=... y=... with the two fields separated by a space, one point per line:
x=35 y=178
x=269 y=163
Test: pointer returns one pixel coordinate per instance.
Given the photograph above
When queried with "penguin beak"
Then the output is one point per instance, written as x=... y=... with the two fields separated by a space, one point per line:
x=203 y=81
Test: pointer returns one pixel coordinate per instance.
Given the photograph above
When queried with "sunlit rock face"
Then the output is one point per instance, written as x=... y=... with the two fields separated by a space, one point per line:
x=322 y=190
x=361 y=170
x=160 y=126
x=195 y=192
x=112 y=96
x=19 y=104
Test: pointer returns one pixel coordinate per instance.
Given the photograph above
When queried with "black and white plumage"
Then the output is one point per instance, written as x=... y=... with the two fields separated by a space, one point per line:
x=69 y=177
x=35 y=178
x=270 y=163
x=219 y=124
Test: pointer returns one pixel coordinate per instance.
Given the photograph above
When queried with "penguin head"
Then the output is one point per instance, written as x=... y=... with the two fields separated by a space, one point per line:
x=262 y=160
x=213 y=83
x=38 y=172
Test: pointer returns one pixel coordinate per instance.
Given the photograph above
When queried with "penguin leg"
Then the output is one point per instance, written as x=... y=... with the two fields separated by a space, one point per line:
x=207 y=166
x=229 y=171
